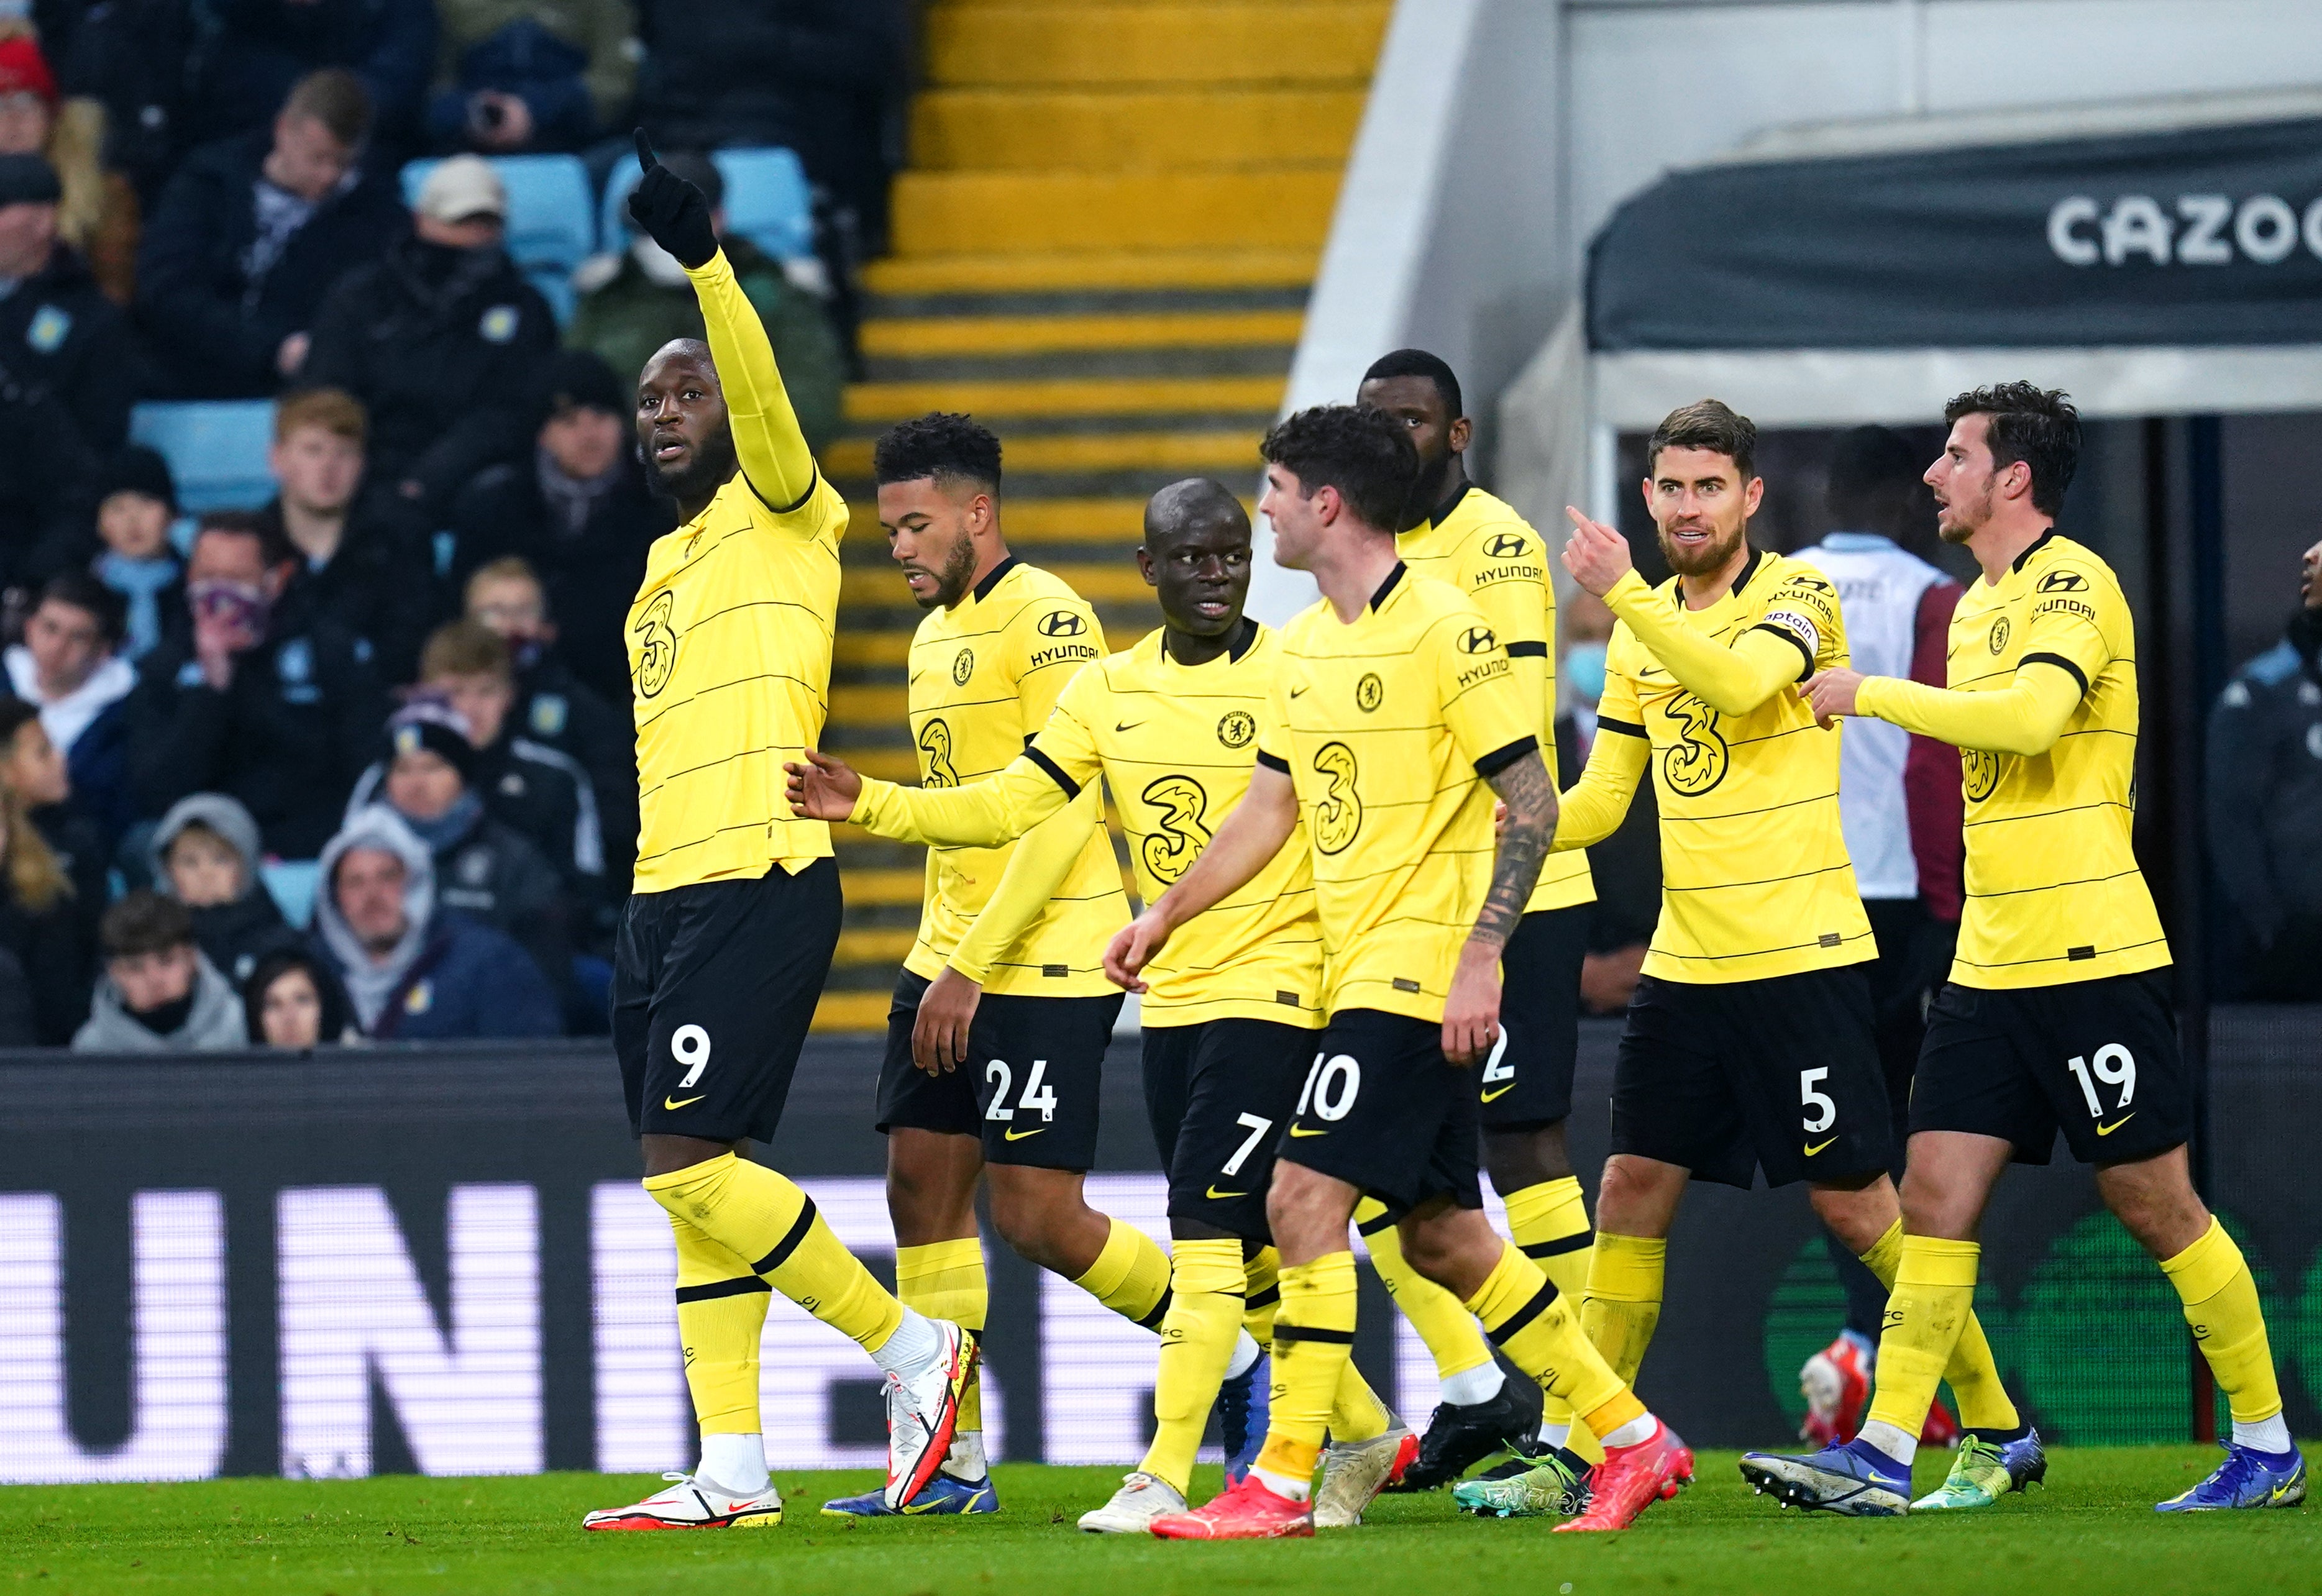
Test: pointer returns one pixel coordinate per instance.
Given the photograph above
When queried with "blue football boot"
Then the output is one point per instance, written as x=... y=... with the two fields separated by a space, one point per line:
x=1244 y=1407
x=2248 y=1477
x=1856 y=1479
x=942 y=1497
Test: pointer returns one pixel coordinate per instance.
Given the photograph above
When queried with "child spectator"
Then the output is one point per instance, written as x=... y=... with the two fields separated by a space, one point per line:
x=293 y=1001
x=413 y=972
x=136 y=507
x=160 y=993
x=69 y=667
x=45 y=921
x=206 y=855
x=98 y=214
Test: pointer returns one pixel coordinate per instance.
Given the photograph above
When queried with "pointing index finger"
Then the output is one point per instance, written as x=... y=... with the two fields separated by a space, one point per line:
x=647 y=159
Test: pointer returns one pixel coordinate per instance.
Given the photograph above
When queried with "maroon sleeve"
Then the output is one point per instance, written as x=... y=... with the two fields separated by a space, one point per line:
x=1930 y=772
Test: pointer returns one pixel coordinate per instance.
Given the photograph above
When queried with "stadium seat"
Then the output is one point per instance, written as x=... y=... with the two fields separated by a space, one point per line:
x=550 y=228
x=767 y=202
x=216 y=449
x=293 y=883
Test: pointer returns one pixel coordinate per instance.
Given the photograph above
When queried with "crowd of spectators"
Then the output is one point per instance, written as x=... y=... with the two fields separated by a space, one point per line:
x=399 y=685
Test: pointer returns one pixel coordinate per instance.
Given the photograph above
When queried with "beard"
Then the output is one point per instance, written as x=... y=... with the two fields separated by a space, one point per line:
x=710 y=467
x=1706 y=558
x=953 y=577
x=1958 y=522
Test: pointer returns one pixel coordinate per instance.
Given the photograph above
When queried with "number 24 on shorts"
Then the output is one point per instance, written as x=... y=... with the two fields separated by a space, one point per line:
x=1037 y=1095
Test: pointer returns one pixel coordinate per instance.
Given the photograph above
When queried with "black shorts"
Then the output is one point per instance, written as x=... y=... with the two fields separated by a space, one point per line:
x=1381 y=1108
x=713 y=986
x=1528 y=1079
x=1780 y=1074
x=1218 y=1094
x=2097 y=1058
x=1031 y=1084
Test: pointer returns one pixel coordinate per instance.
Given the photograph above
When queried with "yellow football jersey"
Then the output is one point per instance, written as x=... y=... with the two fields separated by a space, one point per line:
x=1386 y=725
x=1177 y=743
x=1755 y=877
x=1481 y=546
x=2053 y=891
x=729 y=664
x=984 y=676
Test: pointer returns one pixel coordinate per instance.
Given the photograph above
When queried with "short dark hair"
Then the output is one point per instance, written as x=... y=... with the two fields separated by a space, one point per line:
x=1869 y=467
x=144 y=922
x=1707 y=424
x=274 y=545
x=1418 y=362
x=1366 y=456
x=337 y=1013
x=336 y=98
x=939 y=444
x=2037 y=425
x=82 y=590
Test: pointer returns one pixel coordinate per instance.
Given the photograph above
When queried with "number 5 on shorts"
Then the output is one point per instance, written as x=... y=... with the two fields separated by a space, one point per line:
x=1823 y=1111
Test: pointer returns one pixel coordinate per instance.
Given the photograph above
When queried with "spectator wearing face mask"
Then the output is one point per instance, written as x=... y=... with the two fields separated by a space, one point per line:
x=252 y=232
x=578 y=512
x=484 y=869
x=283 y=721
x=292 y=1001
x=414 y=972
x=159 y=994
x=440 y=338
x=68 y=666
x=206 y=854
x=46 y=922
x=1626 y=865
x=558 y=708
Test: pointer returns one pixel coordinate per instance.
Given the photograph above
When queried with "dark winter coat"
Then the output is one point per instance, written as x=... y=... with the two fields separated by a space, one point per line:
x=377 y=589
x=68 y=373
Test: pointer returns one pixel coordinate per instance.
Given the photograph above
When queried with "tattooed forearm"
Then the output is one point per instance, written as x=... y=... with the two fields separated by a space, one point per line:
x=1530 y=797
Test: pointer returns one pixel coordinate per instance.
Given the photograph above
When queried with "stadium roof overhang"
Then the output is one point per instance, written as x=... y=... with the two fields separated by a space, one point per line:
x=2156 y=258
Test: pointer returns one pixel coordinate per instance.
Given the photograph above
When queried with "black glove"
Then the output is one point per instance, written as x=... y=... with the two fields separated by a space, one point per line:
x=672 y=212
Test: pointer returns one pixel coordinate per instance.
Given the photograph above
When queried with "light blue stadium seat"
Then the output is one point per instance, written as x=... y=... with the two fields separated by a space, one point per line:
x=293 y=883
x=767 y=202
x=216 y=449
x=551 y=224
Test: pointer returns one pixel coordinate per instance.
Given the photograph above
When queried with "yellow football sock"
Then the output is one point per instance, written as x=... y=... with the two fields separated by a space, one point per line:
x=1262 y=1294
x=1131 y=1276
x=756 y=1214
x=1622 y=1304
x=721 y=1312
x=1357 y=1414
x=2213 y=1281
x=1929 y=1304
x=1446 y=1327
x=1528 y=1320
x=1549 y=1225
x=1313 y=1339
x=1197 y=1341
x=943 y=1279
x=1973 y=1373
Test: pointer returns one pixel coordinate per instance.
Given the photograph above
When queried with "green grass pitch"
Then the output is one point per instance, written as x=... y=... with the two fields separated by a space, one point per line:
x=2094 y=1531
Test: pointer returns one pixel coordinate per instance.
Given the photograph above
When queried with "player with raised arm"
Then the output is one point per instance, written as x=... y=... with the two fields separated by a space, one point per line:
x=1393 y=719
x=1460 y=534
x=1002 y=1013
x=1228 y=1017
x=1749 y=1045
x=726 y=942
x=2057 y=1012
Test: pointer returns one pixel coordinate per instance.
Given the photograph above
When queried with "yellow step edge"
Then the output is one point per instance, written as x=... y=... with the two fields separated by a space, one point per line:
x=1194 y=44
x=1188 y=452
x=935 y=213
x=889 y=764
x=1152 y=269
x=851 y=1011
x=908 y=336
x=968 y=129
x=883 y=886
x=876 y=944
x=1092 y=396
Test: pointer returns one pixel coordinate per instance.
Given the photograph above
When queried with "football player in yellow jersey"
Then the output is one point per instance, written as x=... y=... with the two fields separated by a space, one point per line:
x=997 y=1036
x=725 y=944
x=1749 y=1044
x=2057 y=1015
x=1393 y=717
x=1460 y=534
x=1231 y=1009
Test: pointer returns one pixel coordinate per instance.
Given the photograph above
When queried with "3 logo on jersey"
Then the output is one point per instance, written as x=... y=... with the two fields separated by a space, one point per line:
x=1337 y=813
x=1181 y=832
x=656 y=646
x=1696 y=762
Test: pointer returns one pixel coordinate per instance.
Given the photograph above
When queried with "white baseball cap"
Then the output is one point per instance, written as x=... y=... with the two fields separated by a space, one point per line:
x=463 y=187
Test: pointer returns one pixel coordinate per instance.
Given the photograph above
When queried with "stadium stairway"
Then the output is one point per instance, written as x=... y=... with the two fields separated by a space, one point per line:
x=1102 y=248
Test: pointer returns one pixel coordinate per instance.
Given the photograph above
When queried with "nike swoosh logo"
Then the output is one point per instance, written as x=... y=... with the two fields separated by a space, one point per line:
x=1129 y=725
x=1493 y=1097
x=2105 y=1130
x=1294 y=692
x=680 y=1102
x=1300 y=1130
x=1017 y=1135
x=1219 y=1196
x=1818 y=1146
x=917 y=1507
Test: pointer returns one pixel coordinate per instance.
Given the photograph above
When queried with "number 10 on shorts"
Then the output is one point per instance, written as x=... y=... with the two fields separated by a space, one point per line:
x=1331 y=1087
